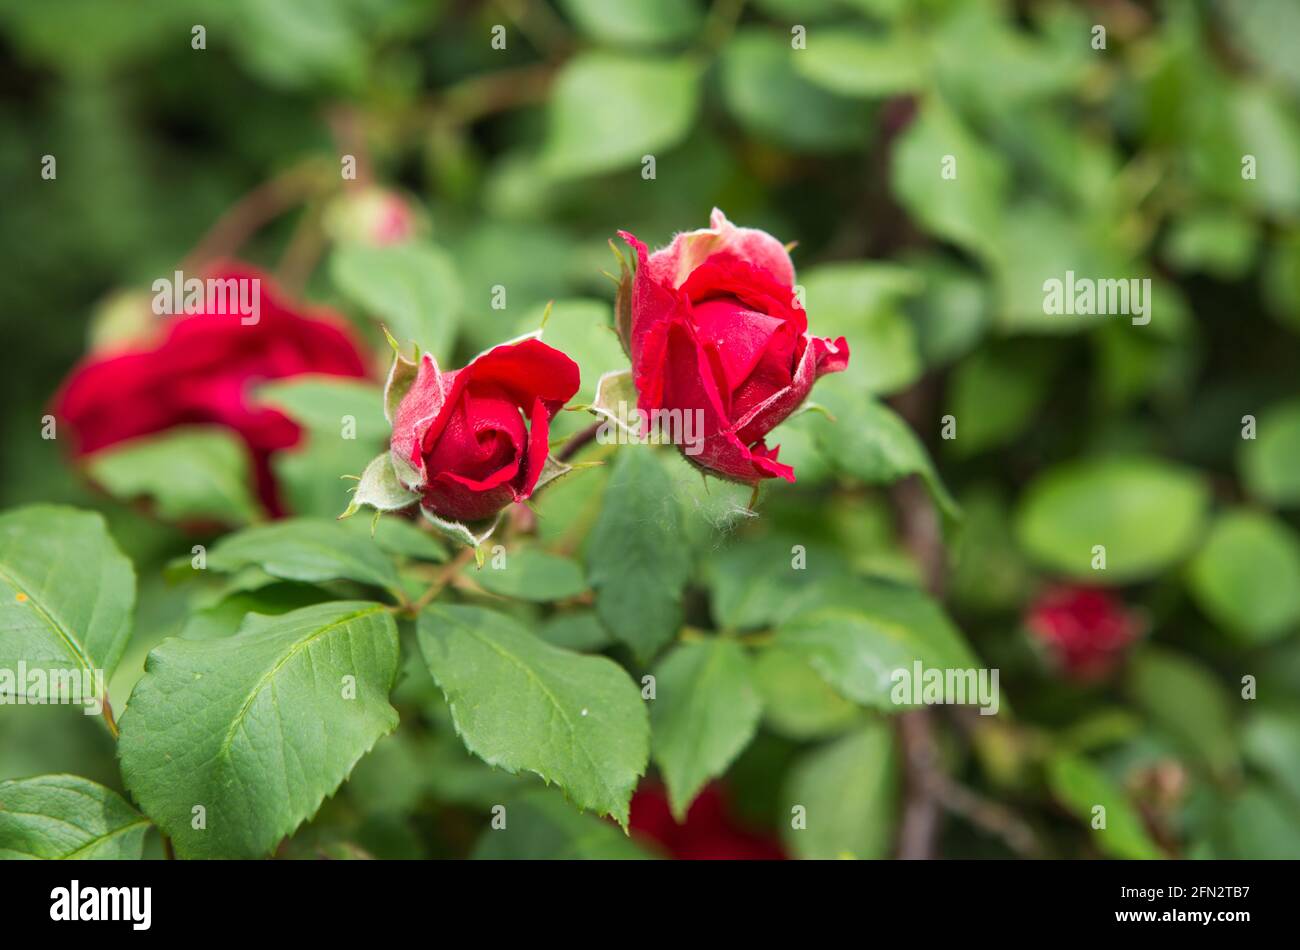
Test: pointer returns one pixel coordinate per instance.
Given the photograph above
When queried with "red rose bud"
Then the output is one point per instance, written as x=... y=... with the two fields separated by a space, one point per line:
x=201 y=366
x=1086 y=630
x=474 y=440
x=715 y=329
x=710 y=832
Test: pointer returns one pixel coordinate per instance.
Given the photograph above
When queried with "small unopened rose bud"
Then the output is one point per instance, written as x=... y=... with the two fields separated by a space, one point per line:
x=1086 y=631
x=372 y=216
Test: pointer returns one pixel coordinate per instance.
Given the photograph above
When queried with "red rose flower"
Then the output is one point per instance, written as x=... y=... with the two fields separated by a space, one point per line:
x=1086 y=630
x=715 y=328
x=474 y=440
x=709 y=833
x=201 y=369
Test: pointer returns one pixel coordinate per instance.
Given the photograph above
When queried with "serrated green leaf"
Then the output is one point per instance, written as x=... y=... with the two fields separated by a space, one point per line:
x=259 y=727
x=273 y=598
x=305 y=549
x=64 y=817
x=193 y=472
x=67 y=593
x=848 y=791
x=705 y=712
x=635 y=553
x=797 y=702
x=523 y=705
x=856 y=644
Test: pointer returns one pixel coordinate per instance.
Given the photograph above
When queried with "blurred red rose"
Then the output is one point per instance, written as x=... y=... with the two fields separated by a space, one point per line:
x=460 y=438
x=1086 y=630
x=200 y=369
x=710 y=832
x=715 y=327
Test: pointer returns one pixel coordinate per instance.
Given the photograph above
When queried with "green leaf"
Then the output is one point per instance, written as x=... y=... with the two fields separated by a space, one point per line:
x=763 y=90
x=994 y=394
x=259 y=727
x=855 y=63
x=67 y=593
x=1188 y=703
x=63 y=817
x=403 y=538
x=410 y=287
x=1270 y=463
x=607 y=110
x=194 y=472
x=848 y=791
x=523 y=705
x=1146 y=512
x=634 y=554
x=1246 y=576
x=227 y=615
x=1263 y=825
x=868 y=441
x=380 y=488
x=966 y=208
x=797 y=702
x=305 y=549
x=1270 y=741
x=756 y=583
x=1081 y=787
x=322 y=404
x=864 y=304
x=857 y=642
x=577 y=630
x=541 y=826
x=532 y=574
x=705 y=712
x=636 y=22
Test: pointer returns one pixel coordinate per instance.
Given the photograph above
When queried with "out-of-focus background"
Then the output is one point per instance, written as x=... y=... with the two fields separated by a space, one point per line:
x=1115 y=140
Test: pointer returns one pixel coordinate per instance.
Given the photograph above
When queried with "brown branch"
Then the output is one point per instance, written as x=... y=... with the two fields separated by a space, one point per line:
x=921 y=533
x=577 y=442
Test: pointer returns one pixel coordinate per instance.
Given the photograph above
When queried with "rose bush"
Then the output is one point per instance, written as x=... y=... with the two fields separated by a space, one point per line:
x=201 y=368
x=714 y=326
